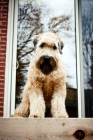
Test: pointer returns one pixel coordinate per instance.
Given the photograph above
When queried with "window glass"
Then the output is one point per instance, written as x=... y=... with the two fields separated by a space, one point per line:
x=37 y=16
x=87 y=43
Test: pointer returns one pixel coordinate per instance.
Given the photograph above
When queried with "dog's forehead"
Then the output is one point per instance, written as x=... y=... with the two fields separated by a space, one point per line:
x=49 y=39
x=50 y=36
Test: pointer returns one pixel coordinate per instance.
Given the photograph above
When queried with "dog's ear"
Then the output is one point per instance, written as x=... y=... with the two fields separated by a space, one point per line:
x=61 y=45
x=35 y=39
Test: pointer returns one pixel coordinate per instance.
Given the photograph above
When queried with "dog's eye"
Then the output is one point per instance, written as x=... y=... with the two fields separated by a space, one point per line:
x=54 y=47
x=42 y=45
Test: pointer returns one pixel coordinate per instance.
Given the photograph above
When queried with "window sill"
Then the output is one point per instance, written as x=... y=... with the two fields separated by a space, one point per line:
x=46 y=129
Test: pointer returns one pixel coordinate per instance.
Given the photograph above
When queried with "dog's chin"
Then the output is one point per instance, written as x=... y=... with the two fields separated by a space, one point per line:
x=46 y=64
x=46 y=68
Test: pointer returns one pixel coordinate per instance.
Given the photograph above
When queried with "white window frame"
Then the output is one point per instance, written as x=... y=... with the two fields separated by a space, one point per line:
x=11 y=53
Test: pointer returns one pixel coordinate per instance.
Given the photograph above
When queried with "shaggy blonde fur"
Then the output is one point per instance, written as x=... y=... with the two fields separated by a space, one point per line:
x=44 y=90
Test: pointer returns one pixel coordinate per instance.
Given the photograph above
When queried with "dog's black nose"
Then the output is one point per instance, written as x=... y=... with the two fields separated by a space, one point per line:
x=46 y=58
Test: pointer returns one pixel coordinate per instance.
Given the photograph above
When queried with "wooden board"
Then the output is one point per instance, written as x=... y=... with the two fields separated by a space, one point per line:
x=45 y=129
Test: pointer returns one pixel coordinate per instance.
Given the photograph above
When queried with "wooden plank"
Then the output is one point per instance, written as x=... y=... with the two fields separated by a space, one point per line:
x=45 y=129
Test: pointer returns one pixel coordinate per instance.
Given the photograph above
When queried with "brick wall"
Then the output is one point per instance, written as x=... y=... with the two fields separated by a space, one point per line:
x=3 y=39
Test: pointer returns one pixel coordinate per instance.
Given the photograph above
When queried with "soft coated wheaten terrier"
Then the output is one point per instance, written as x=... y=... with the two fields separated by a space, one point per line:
x=46 y=83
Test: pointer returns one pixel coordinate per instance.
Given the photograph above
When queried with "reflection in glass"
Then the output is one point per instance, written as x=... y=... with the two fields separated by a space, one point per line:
x=87 y=38
x=37 y=16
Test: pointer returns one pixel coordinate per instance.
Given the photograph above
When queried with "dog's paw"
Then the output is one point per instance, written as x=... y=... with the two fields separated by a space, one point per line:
x=63 y=116
x=36 y=115
x=16 y=116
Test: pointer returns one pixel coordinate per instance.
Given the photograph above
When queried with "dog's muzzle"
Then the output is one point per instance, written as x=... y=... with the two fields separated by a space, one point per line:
x=46 y=64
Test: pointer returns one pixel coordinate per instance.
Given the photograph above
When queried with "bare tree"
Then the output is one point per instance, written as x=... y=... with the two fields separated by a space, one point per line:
x=29 y=24
x=87 y=33
x=60 y=22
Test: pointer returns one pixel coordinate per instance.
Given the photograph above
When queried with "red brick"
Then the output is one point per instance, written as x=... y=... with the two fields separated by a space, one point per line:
x=3 y=66
x=3 y=19
x=4 y=22
x=4 y=15
x=2 y=59
x=4 y=0
x=2 y=69
x=2 y=50
x=1 y=81
x=3 y=47
x=1 y=108
x=1 y=7
x=1 y=63
x=2 y=76
x=1 y=96
x=3 y=11
x=1 y=93
x=3 y=26
x=1 y=99
x=4 y=31
x=3 y=43
x=2 y=72
x=5 y=7
x=2 y=54
x=3 y=38
x=3 y=3
x=1 y=104
x=1 y=113
x=3 y=34
x=1 y=86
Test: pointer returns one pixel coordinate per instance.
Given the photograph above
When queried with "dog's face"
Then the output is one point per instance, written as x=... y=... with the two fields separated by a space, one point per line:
x=47 y=47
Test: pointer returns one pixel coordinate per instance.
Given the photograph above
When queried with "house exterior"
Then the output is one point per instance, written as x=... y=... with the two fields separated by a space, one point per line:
x=3 y=42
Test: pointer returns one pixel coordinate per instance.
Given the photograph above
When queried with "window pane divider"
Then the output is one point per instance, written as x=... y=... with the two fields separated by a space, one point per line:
x=8 y=66
x=80 y=79
x=14 y=59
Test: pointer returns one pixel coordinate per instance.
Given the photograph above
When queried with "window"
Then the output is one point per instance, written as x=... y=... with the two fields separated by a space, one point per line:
x=33 y=19
x=87 y=44
x=64 y=18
